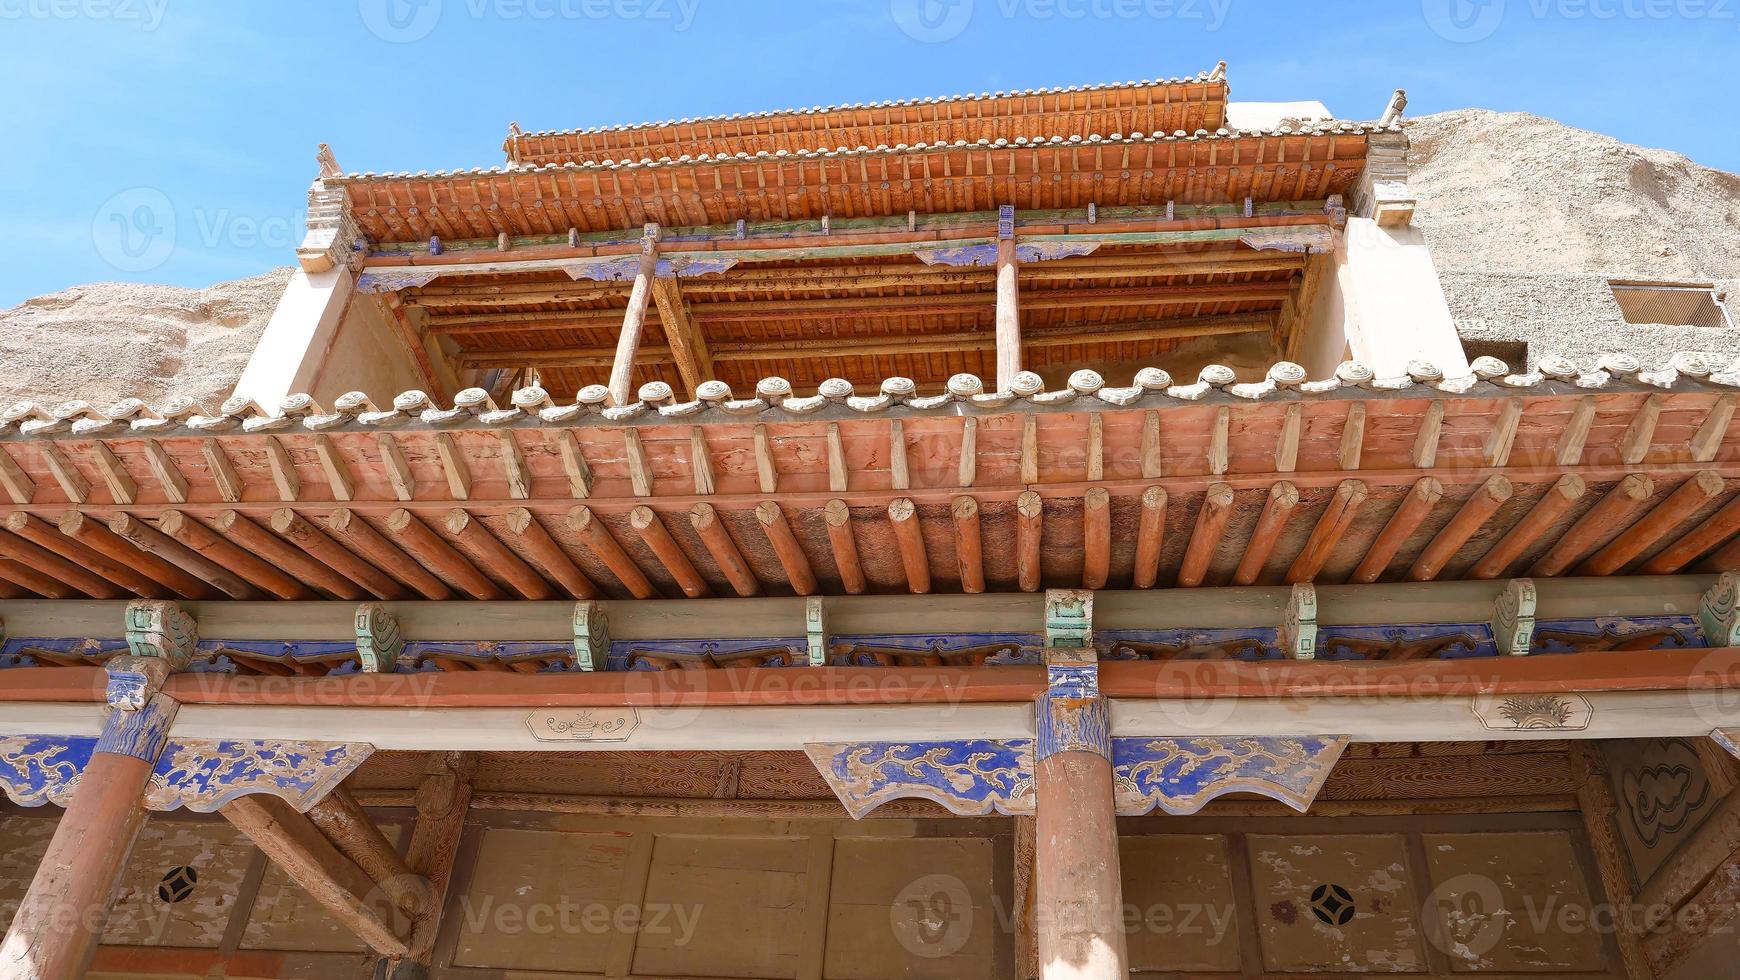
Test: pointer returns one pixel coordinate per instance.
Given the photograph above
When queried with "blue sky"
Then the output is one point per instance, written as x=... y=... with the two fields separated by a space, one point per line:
x=173 y=140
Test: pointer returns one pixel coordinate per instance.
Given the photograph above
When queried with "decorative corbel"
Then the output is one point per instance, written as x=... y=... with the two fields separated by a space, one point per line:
x=1071 y=716
x=816 y=630
x=378 y=639
x=1069 y=619
x=591 y=636
x=1513 y=618
x=160 y=641
x=1719 y=612
x=1298 y=635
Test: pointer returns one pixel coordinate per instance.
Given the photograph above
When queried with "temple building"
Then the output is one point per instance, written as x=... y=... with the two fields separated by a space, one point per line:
x=1044 y=534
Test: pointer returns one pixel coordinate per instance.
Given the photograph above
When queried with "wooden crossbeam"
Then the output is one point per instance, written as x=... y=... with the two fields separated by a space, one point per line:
x=687 y=342
x=1283 y=498
x=1211 y=521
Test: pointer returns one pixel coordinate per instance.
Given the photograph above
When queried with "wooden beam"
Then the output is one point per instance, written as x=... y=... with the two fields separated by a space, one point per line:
x=20 y=487
x=969 y=454
x=220 y=550
x=344 y=822
x=549 y=556
x=303 y=853
x=573 y=464
x=223 y=472
x=1503 y=435
x=1150 y=537
x=1205 y=537
x=1612 y=511
x=838 y=517
x=338 y=478
x=898 y=474
x=442 y=801
x=1096 y=532
x=639 y=473
x=1008 y=312
x=634 y=320
x=36 y=531
x=969 y=559
x=45 y=562
x=1343 y=506
x=298 y=563
x=72 y=482
x=1721 y=526
x=1219 y=454
x=786 y=547
x=1567 y=491
x=1283 y=499
x=603 y=545
x=704 y=518
x=1471 y=517
x=1707 y=441
x=154 y=542
x=1287 y=445
x=1686 y=500
x=496 y=558
x=1568 y=451
x=766 y=473
x=439 y=557
x=1096 y=448
x=1640 y=435
x=1030 y=450
x=372 y=546
x=96 y=536
x=283 y=470
x=909 y=536
x=1352 y=437
x=40 y=583
x=122 y=488
x=513 y=466
x=167 y=472
x=687 y=341
x=453 y=464
x=1600 y=811
x=700 y=462
x=1151 y=456
x=299 y=531
x=658 y=540
x=1425 y=454
x=1029 y=530
x=1419 y=502
x=397 y=469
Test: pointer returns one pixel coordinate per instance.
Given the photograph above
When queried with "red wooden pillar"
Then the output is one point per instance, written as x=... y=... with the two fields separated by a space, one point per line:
x=60 y=921
x=1079 y=897
x=1008 y=302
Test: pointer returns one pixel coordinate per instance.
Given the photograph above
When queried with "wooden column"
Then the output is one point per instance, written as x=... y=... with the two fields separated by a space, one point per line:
x=60 y=921
x=1008 y=302
x=1078 y=915
x=442 y=801
x=628 y=342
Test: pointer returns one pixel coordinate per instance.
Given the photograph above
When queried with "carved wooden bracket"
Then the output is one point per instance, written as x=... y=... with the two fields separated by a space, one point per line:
x=1298 y=635
x=816 y=630
x=1069 y=618
x=378 y=639
x=968 y=778
x=1513 y=618
x=1719 y=612
x=160 y=641
x=591 y=636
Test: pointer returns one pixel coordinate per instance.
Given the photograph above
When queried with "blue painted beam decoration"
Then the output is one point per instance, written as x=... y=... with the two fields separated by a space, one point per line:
x=1181 y=775
x=200 y=775
x=971 y=778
